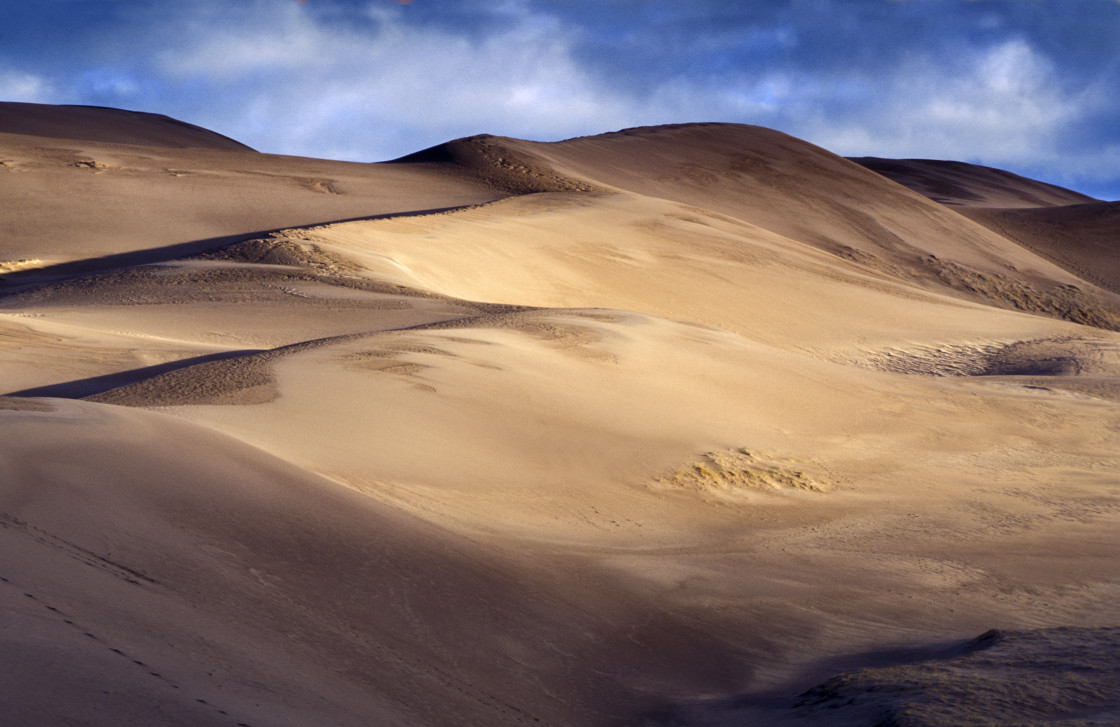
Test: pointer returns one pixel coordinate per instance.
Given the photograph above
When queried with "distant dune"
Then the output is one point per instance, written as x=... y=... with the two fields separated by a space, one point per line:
x=1082 y=238
x=697 y=424
x=1072 y=230
x=971 y=185
x=114 y=126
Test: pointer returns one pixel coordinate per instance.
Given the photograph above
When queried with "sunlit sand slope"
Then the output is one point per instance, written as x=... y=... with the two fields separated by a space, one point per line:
x=801 y=192
x=120 y=183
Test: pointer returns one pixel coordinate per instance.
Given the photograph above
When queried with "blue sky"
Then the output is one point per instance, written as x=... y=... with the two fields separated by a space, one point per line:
x=1027 y=85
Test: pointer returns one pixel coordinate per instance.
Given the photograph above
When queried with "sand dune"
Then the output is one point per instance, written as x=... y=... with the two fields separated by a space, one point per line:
x=1081 y=238
x=115 y=126
x=1070 y=229
x=667 y=425
x=124 y=195
x=1009 y=674
x=806 y=194
x=971 y=185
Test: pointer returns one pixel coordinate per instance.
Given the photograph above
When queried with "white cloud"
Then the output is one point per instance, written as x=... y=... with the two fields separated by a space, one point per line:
x=290 y=85
x=1003 y=102
x=24 y=87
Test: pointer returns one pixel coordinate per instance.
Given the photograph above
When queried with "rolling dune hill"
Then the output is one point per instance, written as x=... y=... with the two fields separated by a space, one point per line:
x=971 y=185
x=661 y=426
x=1076 y=232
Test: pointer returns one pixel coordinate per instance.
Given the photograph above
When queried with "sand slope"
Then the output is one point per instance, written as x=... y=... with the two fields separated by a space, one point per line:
x=809 y=195
x=1074 y=231
x=1082 y=238
x=634 y=427
x=971 y=185
x=140 y=183
x=115 y=126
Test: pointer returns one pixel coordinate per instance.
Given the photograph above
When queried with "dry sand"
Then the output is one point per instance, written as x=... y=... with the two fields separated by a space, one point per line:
x=667 y=425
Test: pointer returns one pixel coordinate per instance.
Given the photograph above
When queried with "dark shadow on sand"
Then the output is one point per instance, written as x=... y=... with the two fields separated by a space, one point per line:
x=81 y=388
x=31 y=277
x=779 y=707
x=1067 y=676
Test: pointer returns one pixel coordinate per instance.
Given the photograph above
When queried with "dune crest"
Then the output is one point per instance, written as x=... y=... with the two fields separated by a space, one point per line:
x=972 y=185
x=109 y=125
x=494 y=161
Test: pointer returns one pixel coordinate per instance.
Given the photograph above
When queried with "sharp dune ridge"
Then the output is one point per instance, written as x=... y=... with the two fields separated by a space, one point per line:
x=696 y=424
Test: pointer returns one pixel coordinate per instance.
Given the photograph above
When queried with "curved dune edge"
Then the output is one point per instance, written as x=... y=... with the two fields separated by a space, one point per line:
x=109 y=125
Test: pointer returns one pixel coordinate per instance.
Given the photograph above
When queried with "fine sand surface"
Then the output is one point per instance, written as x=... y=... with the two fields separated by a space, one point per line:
x=681 y=425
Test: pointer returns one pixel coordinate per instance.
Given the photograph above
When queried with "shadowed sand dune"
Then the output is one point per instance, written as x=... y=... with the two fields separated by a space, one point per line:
x=1059 y=676
x=115 y=126
x=1082 y=238
x=668 y=425
x=971 y=185
x=1074 y=231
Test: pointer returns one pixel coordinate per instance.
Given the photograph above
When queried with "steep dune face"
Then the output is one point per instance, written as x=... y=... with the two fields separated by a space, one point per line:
x=777 y=182
x=1082 y=238
x=1075 y=232
x=971 y=185
x=612 y=429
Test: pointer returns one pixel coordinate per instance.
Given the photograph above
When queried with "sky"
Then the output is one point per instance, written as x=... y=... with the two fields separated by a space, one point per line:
x=1032 y=86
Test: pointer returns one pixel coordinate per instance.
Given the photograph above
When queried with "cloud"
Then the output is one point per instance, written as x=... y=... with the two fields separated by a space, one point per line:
x=25 y=87
x=1001 y=102
x=289 y=82
x=1006 y=105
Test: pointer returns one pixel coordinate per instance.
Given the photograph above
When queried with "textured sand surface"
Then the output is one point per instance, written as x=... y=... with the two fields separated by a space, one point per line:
x=667 y=425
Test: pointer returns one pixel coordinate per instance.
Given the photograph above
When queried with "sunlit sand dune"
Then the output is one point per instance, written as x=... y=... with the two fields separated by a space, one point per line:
x=667 y=425
x=100 y=182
